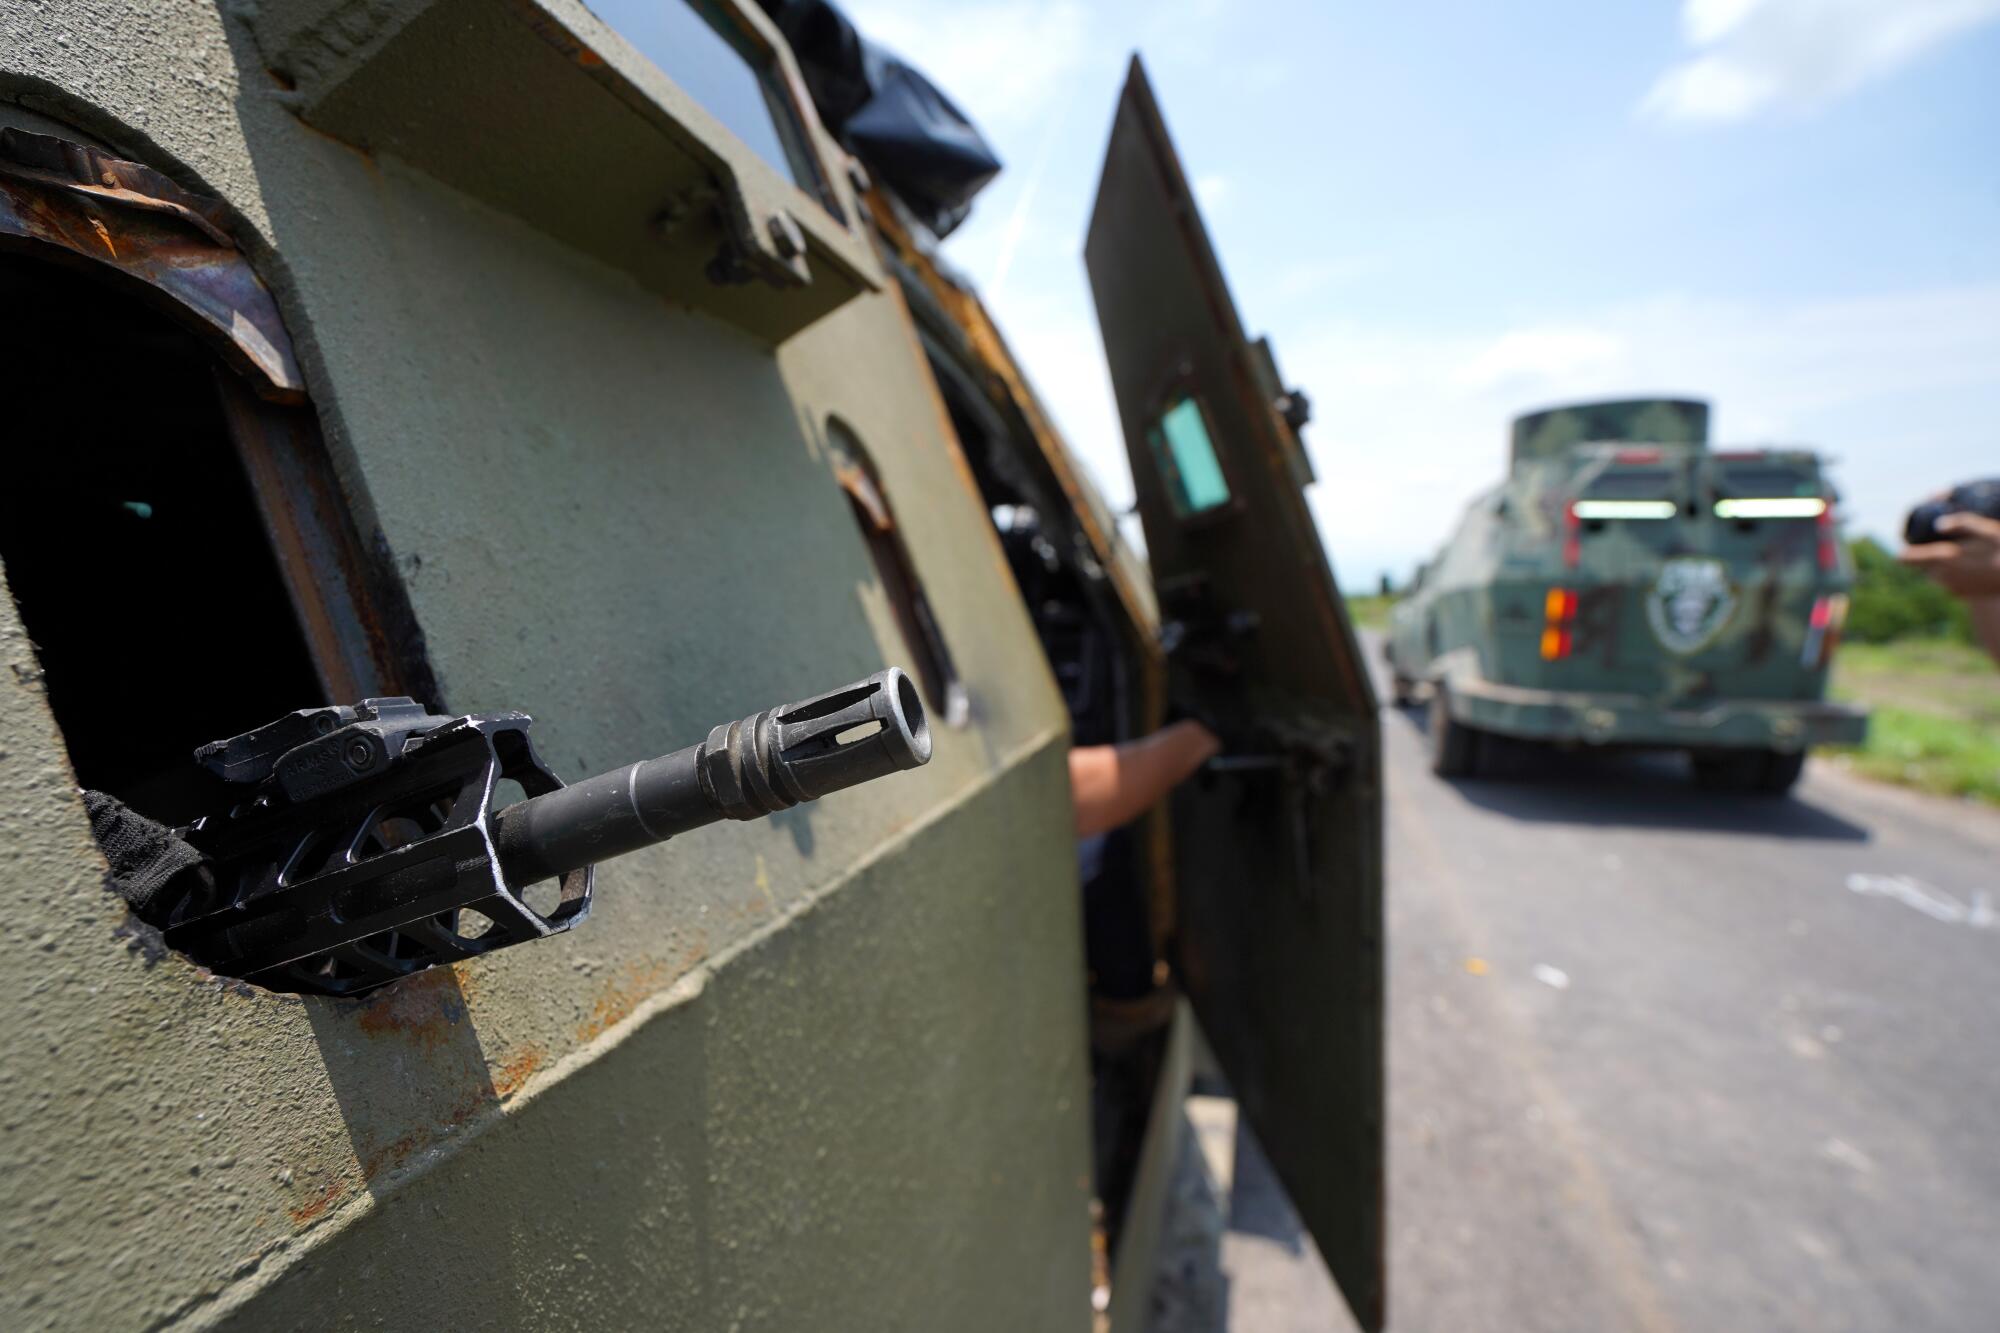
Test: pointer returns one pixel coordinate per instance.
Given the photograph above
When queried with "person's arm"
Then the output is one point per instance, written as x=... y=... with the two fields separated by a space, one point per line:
x=1969 y=566
x=1986 y=623
x=1115 y=784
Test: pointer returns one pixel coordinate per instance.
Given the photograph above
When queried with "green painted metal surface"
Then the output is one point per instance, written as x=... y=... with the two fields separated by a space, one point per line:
x=827 y=1069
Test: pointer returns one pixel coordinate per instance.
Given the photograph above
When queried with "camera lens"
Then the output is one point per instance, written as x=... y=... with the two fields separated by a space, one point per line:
x=1974 y=497
x=1921 y=527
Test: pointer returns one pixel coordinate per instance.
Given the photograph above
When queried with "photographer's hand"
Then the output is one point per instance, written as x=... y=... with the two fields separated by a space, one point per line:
x=1968 y=564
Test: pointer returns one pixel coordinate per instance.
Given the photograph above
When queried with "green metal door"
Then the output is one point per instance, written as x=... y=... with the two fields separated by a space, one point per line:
x=1278 y=931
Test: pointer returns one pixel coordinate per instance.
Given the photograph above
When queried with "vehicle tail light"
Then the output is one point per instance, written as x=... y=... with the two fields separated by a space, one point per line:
x=1558 y=616
x=1829 y=614
x=1572 y=537
x=1829 y=546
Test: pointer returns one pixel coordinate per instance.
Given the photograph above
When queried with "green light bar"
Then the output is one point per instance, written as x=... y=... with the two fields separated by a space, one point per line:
x=1596 y=509
x=1775 y=507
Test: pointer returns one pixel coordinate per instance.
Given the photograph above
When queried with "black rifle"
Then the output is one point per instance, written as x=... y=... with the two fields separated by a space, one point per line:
x=361 y=844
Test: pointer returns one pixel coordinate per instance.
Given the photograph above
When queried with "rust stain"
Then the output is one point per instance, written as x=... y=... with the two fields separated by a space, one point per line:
x=509 y=1077
x=316 y=1207
x=422 y=1010
x=125 y=214
x=463 y=1112
x=385 y=1159
x=615 y=1003
x=588 y=58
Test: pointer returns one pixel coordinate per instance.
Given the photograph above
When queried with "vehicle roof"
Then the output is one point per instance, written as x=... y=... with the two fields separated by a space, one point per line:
x=1550 y=430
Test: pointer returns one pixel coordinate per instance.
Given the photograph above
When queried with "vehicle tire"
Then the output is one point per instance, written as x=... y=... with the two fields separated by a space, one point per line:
x=1781 y=771
x=1757 y=772
x=1454 y=746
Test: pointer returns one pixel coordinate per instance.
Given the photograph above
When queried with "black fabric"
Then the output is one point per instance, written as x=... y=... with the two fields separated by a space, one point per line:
x=145 y=856
x=1117 y=939
x=915 y=140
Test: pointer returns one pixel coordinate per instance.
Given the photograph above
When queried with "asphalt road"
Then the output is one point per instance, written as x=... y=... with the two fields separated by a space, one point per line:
x=1664 y=1059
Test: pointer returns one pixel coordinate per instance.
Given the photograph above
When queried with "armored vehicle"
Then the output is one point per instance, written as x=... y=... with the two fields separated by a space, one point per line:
x=1628 y=585
x=381 y=375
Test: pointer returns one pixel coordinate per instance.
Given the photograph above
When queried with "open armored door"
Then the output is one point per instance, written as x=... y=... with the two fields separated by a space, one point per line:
x=1278 y=930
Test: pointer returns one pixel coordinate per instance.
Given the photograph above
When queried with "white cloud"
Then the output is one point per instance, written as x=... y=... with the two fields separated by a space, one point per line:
x=1705 y=21
x=1751 y=55
x=1532 y=356
x=1004 y=62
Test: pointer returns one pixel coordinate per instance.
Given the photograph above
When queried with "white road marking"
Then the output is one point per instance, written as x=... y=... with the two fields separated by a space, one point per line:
x=1932 y=901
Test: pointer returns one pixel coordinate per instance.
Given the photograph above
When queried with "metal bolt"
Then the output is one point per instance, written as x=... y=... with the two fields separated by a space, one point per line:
x=786 y=238
x=360 y=754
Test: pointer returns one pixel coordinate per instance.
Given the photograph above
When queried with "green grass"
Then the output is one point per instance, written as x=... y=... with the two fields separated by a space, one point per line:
x=1935 y=721
x=1369 y=610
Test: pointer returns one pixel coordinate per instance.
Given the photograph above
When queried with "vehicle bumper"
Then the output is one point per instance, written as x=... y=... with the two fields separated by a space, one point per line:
x=1624 y=719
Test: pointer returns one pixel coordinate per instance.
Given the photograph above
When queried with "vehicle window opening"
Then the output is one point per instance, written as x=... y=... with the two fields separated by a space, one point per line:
x=133 y=545
x=1185 y=451
x=719 y=62
x=1767 y=482
x=1632 y=483
x=930 y=656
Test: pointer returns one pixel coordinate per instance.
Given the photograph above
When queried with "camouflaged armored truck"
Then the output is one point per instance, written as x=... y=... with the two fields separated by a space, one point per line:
x=1627 y=585
x=496 y=360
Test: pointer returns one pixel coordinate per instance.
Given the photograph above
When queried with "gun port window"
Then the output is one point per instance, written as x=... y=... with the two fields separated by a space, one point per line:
x=719 y=61
x=135 y=547
x=857 y=475
x=1185 y=452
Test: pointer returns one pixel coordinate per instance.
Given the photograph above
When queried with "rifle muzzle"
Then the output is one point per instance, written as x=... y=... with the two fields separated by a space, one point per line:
x=767 y=762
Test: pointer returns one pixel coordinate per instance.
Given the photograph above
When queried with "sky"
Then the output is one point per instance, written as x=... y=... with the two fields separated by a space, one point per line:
x=1444 y=214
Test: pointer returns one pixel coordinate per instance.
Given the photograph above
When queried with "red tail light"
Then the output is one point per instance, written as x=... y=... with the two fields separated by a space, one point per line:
x=1829 y=548
x=1829 y=613
x=1572 y=537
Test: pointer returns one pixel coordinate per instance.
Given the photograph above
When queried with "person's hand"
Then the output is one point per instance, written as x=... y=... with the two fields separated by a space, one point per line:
x=1195 y=740
x=1967 y=565
x=1115 y=784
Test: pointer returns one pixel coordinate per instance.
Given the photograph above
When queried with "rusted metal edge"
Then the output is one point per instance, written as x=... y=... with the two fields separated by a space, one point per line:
x=1316 y=575
x=129 y=219
x=347 y=593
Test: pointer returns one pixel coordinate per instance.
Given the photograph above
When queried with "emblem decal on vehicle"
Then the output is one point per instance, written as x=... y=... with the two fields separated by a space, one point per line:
x=1690 y=603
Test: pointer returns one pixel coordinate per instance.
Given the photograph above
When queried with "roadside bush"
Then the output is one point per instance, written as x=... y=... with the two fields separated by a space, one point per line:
x=1891 y=601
